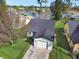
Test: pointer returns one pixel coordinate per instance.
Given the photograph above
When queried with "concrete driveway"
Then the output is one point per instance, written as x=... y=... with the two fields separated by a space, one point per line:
x=36 y=53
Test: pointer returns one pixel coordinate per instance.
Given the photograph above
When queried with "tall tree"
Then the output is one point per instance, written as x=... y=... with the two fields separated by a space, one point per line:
x=3 y=5
x=58 y=10
x=40 y=2
x=64 y=7
x=68 y=1
x=58 y=7
x=4 y=22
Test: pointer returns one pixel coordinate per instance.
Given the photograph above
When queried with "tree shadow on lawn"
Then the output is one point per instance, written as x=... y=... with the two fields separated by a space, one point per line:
x=63 y=51
x=61 y=40
x=61 y=47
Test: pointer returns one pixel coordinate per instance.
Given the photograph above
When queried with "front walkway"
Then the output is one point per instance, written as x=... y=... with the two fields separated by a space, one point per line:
x=36 y=53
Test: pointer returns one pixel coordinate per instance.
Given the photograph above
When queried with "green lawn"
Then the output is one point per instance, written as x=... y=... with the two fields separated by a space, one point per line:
x=15 y=51
x=61 y=48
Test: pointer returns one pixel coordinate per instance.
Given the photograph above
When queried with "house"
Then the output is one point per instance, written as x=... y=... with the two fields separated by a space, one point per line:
x=43 y=32
x=71 y=12
x=70 y=26
x=75 y=16
x=74 y=10
x=71 y=29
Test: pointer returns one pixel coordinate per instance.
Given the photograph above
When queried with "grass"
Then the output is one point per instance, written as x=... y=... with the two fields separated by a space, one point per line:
x=61 y=48
x=15 y=51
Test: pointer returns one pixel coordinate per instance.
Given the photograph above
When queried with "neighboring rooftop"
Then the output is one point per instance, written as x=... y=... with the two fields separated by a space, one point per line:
x=72 y=26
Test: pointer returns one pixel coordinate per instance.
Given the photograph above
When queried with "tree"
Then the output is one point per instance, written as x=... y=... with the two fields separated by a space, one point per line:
x=64 y=7
x=58 y=8
x=5 y=22
x=40 y=2
x=3 y=5
x=68 y=1
x=31 y=7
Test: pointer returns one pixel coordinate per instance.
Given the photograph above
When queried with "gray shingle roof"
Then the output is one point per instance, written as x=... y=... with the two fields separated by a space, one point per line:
x=42 y=27
x=74 y=31
x=75 y=36
x=72 y=26
x=75 y=16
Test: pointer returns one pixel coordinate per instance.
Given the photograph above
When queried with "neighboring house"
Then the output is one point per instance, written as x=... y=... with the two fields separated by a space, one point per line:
x=75 y=16
x=73 y=10
x=71 y=15
x=71 y=29
x=68 y=14
x=43 y=32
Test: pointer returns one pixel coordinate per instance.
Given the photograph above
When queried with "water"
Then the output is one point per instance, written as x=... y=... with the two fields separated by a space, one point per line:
x=36 y=15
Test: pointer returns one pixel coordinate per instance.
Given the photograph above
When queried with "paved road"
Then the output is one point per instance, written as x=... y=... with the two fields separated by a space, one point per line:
x=36 y=53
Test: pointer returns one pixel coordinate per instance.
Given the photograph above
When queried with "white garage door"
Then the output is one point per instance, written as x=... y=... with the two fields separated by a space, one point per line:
x=40 y=44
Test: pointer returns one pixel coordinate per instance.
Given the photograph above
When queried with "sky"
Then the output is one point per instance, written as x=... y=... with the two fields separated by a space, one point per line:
x=26 y=2
x=33 y=2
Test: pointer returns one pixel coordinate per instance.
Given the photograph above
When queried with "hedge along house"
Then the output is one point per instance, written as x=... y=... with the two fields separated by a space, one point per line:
x=42 y=32
x=71 y=29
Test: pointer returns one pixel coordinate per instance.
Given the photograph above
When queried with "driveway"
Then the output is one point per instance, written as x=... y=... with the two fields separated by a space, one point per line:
x=36 y=53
